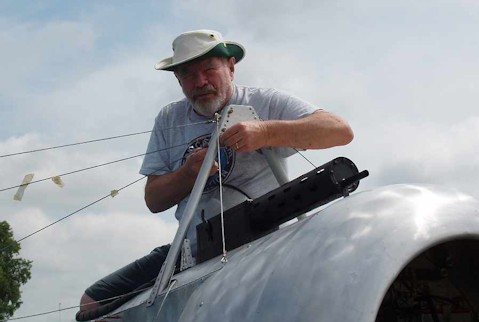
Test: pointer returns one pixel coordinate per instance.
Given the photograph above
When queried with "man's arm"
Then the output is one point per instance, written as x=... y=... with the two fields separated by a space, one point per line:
x=320 y=130
x=164 y=191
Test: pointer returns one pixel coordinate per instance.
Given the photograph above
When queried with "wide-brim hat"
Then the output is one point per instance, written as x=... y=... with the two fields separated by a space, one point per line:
x=200 y=43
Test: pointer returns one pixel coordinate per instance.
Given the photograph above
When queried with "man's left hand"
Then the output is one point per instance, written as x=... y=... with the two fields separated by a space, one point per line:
x=246 y=136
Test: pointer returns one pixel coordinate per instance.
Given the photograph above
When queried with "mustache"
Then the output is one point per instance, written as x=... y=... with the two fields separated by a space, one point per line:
x=208 y=89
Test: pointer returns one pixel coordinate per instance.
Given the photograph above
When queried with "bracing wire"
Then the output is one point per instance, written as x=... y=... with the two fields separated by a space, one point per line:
x=172 y=283
x=103 y=164
x=304 y=157
x=109 y=195
x=78 y=210
x=72 y=144
x=77 y=306
x=82 y=208
x=98 y=140
x=95 y=166
x=224 y=259
x=42 y=313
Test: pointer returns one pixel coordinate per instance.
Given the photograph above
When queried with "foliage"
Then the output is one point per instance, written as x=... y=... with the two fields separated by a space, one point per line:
x=14 y=272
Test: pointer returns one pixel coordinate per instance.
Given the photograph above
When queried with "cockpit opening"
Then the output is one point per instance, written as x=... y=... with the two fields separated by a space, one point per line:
x=441 y=284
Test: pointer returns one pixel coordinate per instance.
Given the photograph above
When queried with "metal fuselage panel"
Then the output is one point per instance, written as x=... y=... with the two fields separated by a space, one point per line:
x=336 y=265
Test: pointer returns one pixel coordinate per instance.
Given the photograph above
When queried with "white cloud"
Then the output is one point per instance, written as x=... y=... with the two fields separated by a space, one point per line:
x=45 y=49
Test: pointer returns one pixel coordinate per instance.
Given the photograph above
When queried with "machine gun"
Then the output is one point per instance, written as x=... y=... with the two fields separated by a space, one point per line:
x=253 y=219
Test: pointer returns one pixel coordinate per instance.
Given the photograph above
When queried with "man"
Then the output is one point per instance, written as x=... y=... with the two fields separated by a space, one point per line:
x=204 y=65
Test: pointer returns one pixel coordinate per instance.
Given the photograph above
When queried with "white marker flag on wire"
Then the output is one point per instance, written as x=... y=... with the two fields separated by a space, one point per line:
x=26 y=180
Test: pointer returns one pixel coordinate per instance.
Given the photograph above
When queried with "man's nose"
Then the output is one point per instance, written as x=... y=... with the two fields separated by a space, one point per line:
x=200 y=80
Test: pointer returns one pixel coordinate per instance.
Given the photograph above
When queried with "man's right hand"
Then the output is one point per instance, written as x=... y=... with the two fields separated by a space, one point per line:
x=195 y=160
x=165 y=191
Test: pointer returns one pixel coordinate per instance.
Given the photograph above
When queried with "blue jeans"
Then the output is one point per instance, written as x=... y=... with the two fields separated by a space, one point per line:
x=129 y=277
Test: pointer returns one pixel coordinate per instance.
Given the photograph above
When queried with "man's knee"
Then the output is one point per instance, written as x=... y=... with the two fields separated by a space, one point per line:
x=87 y=303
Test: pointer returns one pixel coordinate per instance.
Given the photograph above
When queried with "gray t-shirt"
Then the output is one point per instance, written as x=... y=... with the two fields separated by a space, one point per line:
x=179 y=129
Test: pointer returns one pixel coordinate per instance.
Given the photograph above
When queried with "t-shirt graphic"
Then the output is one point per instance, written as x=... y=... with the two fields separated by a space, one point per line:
x=227 y=161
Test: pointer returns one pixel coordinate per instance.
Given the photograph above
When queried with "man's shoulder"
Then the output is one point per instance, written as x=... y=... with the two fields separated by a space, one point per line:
x=173 y=108
x=176 y=105
x=253 y=90
x=251 y=95
x=171 y=113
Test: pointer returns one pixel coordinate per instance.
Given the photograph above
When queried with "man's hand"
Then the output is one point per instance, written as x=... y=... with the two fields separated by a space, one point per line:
x=319 y=130
x=246 y=136
x=195 y=160
x=165 y=191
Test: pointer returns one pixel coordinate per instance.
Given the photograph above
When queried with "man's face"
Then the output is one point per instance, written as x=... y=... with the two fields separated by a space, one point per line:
x=207 y=83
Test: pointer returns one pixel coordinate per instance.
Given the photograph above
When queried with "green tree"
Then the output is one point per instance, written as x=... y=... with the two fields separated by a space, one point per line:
x=14 y=272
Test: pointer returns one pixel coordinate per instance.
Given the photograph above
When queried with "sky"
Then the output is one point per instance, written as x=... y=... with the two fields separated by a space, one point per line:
x=404 y=74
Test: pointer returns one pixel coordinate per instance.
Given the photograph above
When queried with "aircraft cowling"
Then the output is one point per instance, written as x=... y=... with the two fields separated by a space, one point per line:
x=335 y=265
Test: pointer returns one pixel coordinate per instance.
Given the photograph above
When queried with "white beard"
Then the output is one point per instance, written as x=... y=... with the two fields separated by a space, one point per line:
x=208 y=108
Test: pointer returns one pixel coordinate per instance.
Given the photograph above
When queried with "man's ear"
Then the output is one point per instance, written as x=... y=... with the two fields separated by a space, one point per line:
x=231 y=66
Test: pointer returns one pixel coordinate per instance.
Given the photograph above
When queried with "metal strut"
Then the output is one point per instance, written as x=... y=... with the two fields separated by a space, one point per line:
x=168 y=267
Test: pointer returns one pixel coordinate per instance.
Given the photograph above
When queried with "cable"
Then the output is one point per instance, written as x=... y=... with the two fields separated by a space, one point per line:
x=172 y=283
x=82 y=208
x=226 y=185
x=98 y=140
x=95 y=166
x=43 y=313
x=98 y=200
x=224 y=259
x=103 y=164
x=72 y=144
x=304 y=157
x=76 y=211
x=78 y=306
